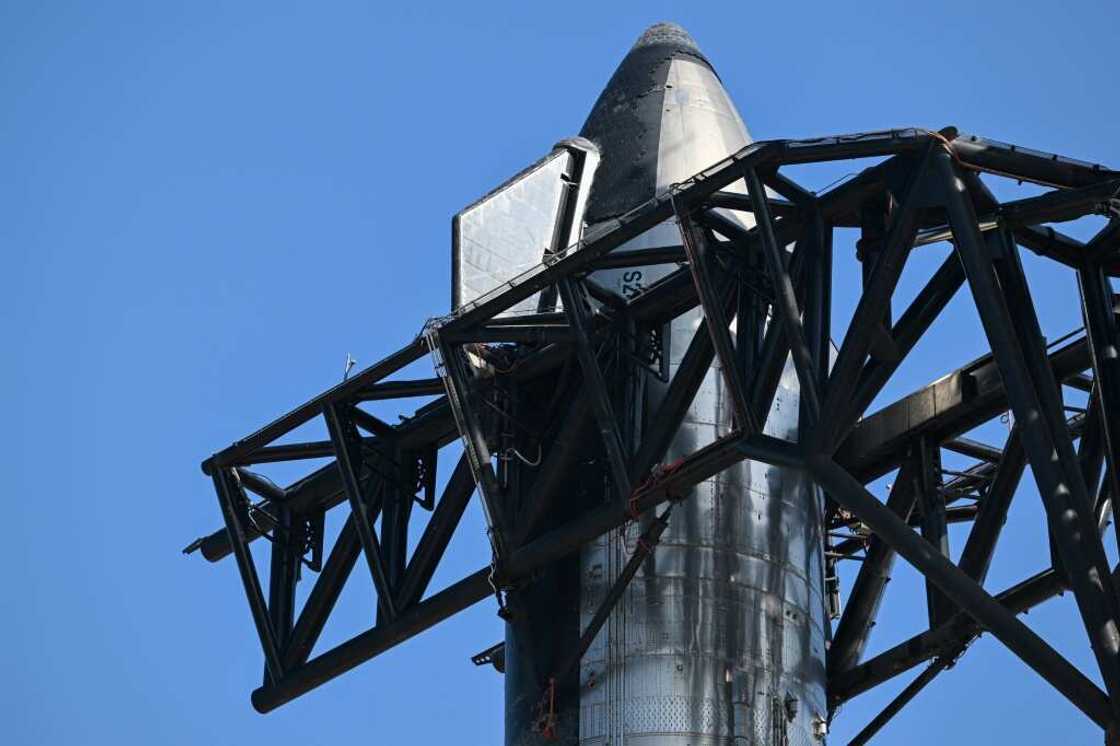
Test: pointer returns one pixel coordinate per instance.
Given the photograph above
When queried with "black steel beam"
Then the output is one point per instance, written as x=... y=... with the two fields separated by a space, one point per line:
x=974 y=561
x=400 y=389
x=374 y=426
x=788 y=188
x=818 y=296
x=976 y=556
x=973 y=448
x=665 y=299
x=768 y=370
x=854 y=629
x=1079 y=551
x=950 y=639
x=533 y=335
x=1098 y=304
x=231 y=499
x=717 y=325
x=750 y=319
x=1046 y=241
x=1059 y=205
x=1025 y=164
x=284 y=570
x=595 y=387
x=642 y=550
x=344 y=435
x=1102 y=247
x=1090 y=451
x=456 y=379
x=216 y=545
x=934 y=526
x=604 y=295
x=396 y=510
x=674 y=404
x=962 y=590
x=320 y=490
x=786 y=308
x=261 y=485
x=289 y=452
x=1080 y=381
x=642 y=258
x=742 y=203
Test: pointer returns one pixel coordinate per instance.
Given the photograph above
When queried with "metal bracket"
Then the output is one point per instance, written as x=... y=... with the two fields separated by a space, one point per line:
x=495 y=655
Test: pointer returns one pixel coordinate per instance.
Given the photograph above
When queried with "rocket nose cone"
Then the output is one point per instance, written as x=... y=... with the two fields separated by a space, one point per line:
x=662 y=117
x=669 y=36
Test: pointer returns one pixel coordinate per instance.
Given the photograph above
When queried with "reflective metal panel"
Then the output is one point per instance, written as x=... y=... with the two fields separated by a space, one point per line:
x=508 y=231
x=511 y=229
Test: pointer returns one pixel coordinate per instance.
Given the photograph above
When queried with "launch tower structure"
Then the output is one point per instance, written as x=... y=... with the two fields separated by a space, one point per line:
x=671 y=454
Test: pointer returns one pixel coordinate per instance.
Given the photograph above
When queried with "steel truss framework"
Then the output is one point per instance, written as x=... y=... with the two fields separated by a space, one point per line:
x=926 y=187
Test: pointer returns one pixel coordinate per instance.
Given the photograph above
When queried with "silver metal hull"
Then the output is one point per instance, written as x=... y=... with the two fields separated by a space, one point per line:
x=722 y=632
x=721 y=637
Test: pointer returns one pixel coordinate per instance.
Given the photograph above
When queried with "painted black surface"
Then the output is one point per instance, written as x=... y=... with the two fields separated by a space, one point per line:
x=626 y=121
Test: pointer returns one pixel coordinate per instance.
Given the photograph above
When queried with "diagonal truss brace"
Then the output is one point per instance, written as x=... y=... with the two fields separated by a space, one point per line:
x=344 y=435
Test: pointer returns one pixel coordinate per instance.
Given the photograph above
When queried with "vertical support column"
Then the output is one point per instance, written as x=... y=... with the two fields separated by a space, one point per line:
x=696 y=248
x=1098 y=307
x=750 y=318
x=348 y=452
x=874 y=217
x=284 y=571
x=456 y=380
x=231 y=500
x=818 y=327
x=818 y=299
x=395 y=512
x=927 y=469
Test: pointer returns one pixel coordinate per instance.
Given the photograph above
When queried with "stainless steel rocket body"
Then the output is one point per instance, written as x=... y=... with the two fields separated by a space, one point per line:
x=720 y=638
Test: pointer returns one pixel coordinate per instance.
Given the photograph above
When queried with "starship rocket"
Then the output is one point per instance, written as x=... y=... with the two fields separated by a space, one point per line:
x=720 y=638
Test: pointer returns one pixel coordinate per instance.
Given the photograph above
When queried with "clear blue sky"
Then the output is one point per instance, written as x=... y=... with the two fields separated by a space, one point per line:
x=205 y=206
